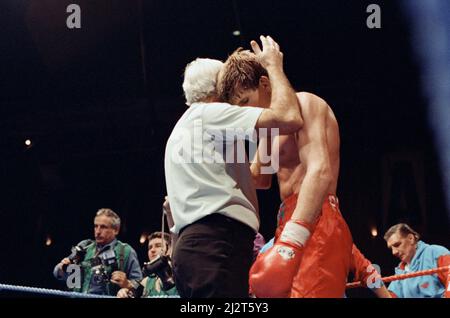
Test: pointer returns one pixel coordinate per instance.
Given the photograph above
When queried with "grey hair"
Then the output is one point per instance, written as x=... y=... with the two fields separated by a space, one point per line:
x=200 y=79
x=115 y=219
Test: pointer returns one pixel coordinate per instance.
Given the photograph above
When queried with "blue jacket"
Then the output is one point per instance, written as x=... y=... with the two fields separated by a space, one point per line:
x=426 y=257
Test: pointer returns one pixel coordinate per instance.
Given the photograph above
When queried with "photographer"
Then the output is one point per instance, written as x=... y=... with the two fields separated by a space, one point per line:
x=106 y=263
x=158 y=271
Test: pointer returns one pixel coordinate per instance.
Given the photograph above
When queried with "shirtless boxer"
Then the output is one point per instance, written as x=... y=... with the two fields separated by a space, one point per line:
x=307 y=176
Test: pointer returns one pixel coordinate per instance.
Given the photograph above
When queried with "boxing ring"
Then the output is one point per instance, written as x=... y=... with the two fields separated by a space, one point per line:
x=68 y=294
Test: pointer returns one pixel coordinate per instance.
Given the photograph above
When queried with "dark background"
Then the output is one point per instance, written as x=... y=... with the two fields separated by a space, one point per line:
x=99 y=103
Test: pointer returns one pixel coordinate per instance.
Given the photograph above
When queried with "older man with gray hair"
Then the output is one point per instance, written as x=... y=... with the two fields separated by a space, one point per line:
x=416 y=255
x=104 y=264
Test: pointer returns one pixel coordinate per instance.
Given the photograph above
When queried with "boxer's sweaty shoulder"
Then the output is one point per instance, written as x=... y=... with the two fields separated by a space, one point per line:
x=292 y=172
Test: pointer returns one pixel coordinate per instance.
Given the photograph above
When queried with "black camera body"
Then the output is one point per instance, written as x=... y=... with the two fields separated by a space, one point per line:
x=103 y=265
x=136 y=289
x=161 y=267
x=78 y=253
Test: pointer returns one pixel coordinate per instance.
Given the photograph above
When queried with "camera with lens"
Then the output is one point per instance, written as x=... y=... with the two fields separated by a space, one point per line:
x=77 y=253
x=136 y=290
x=103 y=265
x=161 y=267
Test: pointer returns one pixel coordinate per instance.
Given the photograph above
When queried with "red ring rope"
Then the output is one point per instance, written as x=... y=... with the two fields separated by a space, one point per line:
x=403 y=276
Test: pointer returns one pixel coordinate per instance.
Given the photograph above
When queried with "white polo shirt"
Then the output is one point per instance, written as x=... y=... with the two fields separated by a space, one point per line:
x=206 y=168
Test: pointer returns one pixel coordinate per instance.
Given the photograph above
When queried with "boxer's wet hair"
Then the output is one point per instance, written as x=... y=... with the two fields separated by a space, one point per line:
x=241 y=71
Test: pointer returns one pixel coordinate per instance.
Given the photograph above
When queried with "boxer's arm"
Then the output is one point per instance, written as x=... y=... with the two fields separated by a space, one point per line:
x=364 y=270
x=313 y=153
x=359 y=265
x=284 y=110
x=261 y=165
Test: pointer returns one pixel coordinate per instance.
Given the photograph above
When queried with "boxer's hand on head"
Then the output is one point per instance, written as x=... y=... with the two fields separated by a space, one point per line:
x=270 y=55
